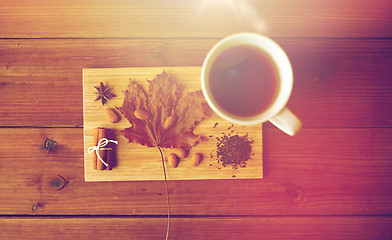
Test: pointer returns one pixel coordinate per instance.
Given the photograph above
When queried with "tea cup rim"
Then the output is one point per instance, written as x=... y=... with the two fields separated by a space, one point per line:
x=280 y=59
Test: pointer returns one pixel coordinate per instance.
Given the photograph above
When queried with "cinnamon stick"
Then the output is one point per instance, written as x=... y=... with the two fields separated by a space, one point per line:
x=96 y=139
x=102 y=133
x=111 y=154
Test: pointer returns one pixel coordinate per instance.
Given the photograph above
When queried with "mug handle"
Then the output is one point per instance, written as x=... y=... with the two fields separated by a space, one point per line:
x=286 y=121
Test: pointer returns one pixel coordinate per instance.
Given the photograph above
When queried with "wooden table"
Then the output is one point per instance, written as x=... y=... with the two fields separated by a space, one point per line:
x=333 y=180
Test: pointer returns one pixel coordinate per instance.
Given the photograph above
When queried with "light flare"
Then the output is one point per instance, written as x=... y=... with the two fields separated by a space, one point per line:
x=242 y=10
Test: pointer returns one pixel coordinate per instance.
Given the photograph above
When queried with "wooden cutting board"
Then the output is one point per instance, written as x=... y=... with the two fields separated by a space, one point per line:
x=138 y=163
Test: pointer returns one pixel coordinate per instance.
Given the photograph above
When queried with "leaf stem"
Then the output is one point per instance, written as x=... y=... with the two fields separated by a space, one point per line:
x=167 y=194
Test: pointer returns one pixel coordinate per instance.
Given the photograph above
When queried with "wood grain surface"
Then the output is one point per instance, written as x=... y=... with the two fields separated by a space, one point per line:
x=331 y=181
x=196 y=19
x=317 y=172
x=281 y=228
x=338 y=83
x=136 y=162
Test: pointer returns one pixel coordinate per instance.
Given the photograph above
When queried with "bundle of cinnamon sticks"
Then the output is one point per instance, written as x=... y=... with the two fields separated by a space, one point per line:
x=108 y=153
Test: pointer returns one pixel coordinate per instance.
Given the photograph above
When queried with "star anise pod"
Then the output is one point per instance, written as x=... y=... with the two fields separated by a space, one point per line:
x=103 y=93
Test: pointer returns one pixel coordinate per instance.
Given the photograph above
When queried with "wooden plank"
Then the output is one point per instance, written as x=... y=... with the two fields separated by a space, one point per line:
x=176 y=18
x=317 y=172
x=338 y=83
x=136 y=162
x=197 y=228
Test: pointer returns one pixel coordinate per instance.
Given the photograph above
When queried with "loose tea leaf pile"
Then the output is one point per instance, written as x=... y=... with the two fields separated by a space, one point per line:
x=163 y=100
x=234 y=150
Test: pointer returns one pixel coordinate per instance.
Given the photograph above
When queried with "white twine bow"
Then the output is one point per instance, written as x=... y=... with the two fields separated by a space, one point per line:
x=102 y=143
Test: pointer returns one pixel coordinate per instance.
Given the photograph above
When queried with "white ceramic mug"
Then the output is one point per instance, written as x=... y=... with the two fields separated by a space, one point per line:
x=277 y=112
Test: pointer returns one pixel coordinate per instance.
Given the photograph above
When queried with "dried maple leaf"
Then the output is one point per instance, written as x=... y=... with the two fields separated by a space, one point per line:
x=161 y=101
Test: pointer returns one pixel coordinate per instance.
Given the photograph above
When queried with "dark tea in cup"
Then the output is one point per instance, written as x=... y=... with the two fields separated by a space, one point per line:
x=247 y=79
x=244 y=81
